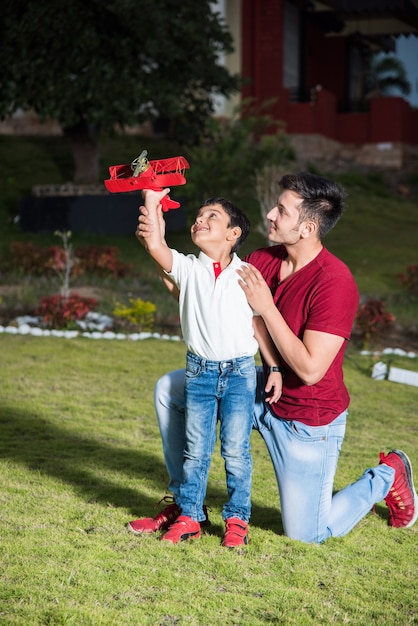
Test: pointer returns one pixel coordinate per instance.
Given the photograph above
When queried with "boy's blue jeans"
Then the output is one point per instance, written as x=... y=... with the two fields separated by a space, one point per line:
x=224 y=391
x=304 y=459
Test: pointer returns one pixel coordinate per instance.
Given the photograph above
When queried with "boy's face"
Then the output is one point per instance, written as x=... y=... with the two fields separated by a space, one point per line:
x=212 y=225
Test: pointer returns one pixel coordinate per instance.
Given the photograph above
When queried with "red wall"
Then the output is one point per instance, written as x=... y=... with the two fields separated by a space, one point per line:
x=353 y=128
x=262 y=55
x=390 y=119
x=412 y=137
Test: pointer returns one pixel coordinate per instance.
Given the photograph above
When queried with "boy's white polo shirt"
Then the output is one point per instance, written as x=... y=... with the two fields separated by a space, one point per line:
x=216 y=319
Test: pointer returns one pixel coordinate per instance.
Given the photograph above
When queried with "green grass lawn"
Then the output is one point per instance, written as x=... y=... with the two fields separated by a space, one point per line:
x=80 y=456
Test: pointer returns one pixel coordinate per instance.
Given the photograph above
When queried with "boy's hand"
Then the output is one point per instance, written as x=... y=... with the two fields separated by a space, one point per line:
x=153 y=198
x=152 y=222
x=147 y=224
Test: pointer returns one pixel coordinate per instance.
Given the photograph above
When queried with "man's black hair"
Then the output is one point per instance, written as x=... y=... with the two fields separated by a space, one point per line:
x=322 y=199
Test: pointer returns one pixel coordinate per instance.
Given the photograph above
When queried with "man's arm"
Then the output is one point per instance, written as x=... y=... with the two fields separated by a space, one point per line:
x=311 y=357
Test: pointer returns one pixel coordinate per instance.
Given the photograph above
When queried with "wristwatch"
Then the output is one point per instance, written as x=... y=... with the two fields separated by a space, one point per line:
x=273 y=368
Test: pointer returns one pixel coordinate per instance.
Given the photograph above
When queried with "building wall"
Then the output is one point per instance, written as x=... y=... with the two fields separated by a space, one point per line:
x=262 y=54
x=233 y=16
x=325 y=62
x=390 y=120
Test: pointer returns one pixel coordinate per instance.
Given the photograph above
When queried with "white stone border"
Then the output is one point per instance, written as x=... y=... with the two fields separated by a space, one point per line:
x=396 y=351
x=25 y=329
x=93 y=326
x=35 y=331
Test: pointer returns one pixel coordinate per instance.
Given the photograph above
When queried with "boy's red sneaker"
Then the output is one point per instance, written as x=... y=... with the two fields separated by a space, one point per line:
x=402 y=499
x=183 y=529
x=162 y=521
x=236 y=533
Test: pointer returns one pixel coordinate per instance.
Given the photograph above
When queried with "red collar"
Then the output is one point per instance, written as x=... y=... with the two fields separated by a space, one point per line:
x=217 y=269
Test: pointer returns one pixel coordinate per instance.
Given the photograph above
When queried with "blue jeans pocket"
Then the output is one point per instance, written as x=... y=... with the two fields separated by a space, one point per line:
x=303 y=432
x=247 y=370
x=193 y=369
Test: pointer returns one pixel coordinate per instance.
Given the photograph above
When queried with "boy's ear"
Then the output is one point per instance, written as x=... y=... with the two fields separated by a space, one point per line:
x=234 y=233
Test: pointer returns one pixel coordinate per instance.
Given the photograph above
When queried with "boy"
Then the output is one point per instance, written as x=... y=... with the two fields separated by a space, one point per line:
x=222 y=336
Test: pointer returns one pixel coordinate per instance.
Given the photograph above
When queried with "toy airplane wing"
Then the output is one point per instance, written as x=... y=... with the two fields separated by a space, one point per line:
x=144 y=174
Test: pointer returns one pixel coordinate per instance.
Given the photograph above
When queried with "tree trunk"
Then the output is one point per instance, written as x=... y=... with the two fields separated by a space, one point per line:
x=85 y=150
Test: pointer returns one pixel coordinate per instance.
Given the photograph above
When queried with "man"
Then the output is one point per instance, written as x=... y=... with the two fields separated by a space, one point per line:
x=308 y=300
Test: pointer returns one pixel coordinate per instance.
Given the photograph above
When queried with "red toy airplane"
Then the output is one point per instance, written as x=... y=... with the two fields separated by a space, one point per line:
x=144 y=174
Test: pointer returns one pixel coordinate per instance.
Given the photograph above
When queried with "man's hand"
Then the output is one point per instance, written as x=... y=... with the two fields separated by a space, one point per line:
x=255 y=288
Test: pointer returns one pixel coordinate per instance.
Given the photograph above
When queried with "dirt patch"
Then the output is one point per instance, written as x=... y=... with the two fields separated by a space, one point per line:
x=397 y=338
x=86 y=292
x=8 y=290
x=97 y=293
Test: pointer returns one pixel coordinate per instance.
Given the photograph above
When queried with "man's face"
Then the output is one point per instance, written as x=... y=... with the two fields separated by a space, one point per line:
x=285 y=227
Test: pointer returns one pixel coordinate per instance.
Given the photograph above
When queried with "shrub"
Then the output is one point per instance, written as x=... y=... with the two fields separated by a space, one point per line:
x=37 y=261
x=141 y=313
x=59 y=312
x=102 y=260
x=409 y=280
x=27 y=258
x=372 y=321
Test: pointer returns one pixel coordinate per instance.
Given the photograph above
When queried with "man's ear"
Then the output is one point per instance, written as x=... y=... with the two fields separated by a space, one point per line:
x=309 y=229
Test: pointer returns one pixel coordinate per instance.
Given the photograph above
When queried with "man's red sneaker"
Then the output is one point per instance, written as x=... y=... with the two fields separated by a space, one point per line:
x=402 y=499
x=236 y=533
x=160 y=522
x=183 y=529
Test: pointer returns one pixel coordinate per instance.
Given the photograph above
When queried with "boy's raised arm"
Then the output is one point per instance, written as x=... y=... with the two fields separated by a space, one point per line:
x=155 y=243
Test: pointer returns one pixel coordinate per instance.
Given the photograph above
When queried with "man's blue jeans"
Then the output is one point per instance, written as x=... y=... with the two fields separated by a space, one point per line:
x=224 y=391
x=304 y=459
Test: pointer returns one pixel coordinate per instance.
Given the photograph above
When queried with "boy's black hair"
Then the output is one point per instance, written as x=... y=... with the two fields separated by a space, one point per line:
x=237 y=217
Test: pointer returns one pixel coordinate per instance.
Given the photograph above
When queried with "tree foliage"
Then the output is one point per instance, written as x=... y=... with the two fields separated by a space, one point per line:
x=94 y=65
x=386 y=76
x=232 y=151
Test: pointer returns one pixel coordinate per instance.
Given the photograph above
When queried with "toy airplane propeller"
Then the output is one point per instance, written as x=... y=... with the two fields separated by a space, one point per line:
x=144 y=174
